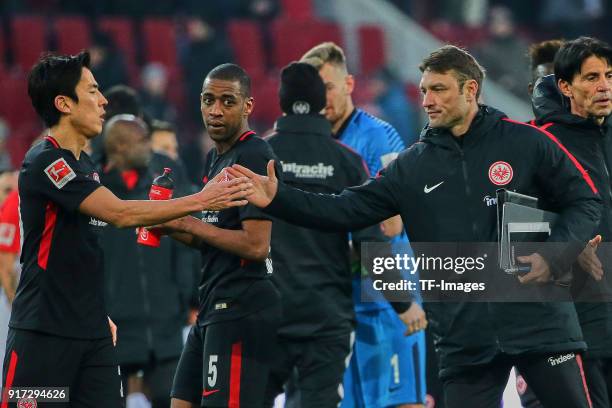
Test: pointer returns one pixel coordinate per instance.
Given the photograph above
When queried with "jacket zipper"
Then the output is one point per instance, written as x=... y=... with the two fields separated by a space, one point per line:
x=468 y=192
x=468 y=189
x=606 y=159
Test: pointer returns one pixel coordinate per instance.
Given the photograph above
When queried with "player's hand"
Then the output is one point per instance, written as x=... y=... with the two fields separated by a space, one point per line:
x=265 y=187
x=540 y=271
x=113 y=330
x=589 y=261
x=221 y=193
x=414 y=319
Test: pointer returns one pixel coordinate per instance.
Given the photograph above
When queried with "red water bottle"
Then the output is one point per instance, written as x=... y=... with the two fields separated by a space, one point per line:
x=161 y=189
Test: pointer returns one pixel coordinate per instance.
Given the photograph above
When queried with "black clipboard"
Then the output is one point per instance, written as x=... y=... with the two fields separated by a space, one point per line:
x=520 y=223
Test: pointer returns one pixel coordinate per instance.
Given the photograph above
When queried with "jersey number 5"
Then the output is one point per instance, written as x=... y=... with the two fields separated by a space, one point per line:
x=212 y=370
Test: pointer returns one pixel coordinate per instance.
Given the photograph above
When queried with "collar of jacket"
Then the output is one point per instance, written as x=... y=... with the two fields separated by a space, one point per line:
x=307 y=124
x=483 y=122
x=549 y=105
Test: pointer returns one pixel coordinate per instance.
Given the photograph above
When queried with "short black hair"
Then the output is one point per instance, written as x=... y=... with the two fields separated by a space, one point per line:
x=542 y=53
x=122 y=99
x=460 y=61
x=232 y=72
x=55 y=75
x=572 y=54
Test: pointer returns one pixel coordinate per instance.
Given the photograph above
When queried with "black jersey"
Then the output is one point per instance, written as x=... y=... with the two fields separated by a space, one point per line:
x=233 y=287
x=61 y=287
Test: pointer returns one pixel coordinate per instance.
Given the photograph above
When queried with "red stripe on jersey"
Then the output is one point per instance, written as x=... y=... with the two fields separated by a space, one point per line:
x=245 y=135
x=235 y=368
x=47 y=236
x=584 y=383
x=552 y=137
x=10 y=376
x=53 y=141
x=546 y=126
x=532 y=122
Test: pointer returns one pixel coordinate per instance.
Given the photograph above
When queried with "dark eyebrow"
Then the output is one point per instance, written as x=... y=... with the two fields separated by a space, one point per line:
x=222 y=96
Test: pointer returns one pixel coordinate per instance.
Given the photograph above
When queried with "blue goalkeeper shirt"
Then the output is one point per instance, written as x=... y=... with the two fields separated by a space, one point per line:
x=378 y=143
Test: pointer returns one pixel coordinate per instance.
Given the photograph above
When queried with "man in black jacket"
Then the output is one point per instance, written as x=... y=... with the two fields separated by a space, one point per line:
x=576 y=109
x=438 y=186
x=312 y=268
x=147 y=290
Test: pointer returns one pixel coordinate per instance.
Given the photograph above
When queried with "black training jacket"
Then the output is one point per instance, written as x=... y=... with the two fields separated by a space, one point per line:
x=312 y=268
x=147 y=289
x=591 y=144
x=457 y=210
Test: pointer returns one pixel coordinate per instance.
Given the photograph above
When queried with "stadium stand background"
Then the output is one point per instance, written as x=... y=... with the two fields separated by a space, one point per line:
x=261 y=35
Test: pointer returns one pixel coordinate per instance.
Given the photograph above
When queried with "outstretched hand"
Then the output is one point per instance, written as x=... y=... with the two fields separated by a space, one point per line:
x=589 y=261
x=264 y=188
x=221 y=193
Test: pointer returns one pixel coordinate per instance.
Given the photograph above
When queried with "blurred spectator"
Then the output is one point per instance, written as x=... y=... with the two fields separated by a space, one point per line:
x=8 y=182
x=165 y=142
x=542 y=57
x=148 y=290
x=525 y=12
x=121 y=99
x=394 y=106
x=9 y=249
x=5 y=158
x=154 y=86
x=205 y=49
x=571 y=18
x=107 y=62
x=163 y=139
x=504 y=54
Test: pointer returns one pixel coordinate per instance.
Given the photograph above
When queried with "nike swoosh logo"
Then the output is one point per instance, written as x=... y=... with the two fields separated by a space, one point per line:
x=428 y=190
x=207 y=393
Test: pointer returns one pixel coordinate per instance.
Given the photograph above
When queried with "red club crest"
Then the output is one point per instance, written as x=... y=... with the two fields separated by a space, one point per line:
x=27 y=403
x=521 y=385
x=500 y=173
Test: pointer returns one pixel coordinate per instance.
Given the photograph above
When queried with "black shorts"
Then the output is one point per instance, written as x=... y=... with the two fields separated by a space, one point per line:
x=320 y=365
x=88 y=367
x=226 y=364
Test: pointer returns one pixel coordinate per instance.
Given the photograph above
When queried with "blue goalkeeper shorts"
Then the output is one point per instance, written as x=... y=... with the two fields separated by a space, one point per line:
x=386 y=368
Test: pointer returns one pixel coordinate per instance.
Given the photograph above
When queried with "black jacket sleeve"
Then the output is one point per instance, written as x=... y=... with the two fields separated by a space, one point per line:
x=374 y=233
x=569 y=189
x=353 y=209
